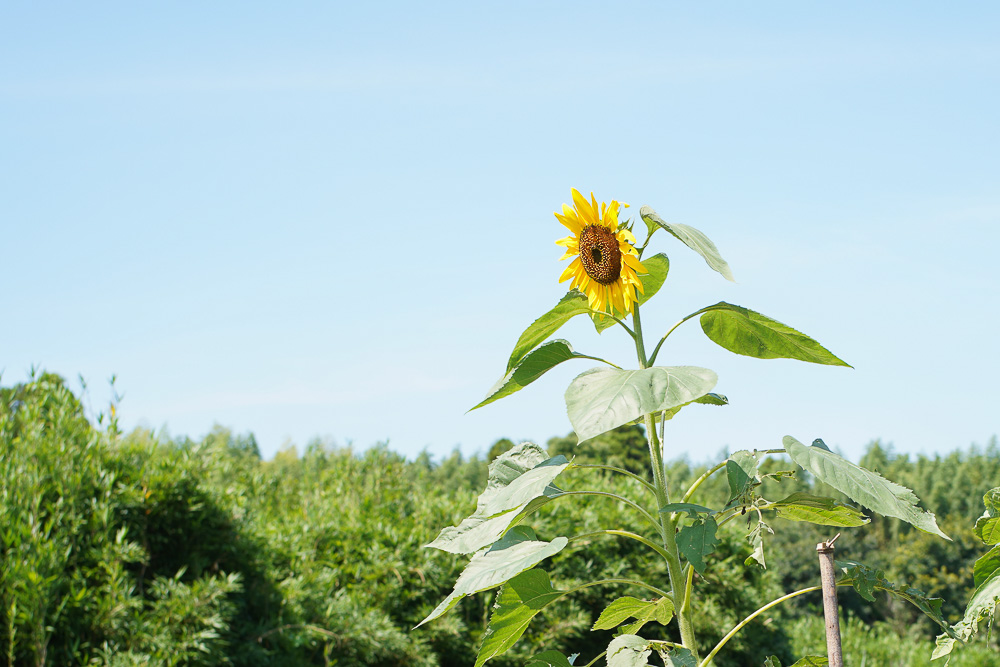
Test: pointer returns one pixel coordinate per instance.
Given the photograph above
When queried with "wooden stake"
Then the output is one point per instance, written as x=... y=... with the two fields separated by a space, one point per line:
x=828 y=576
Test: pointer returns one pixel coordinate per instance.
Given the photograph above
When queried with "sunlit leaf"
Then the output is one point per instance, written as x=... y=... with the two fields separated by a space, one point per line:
x=531 y=367
x=862 y=486
x=572 y=304
x=520 y=481
x=602 y=399
x=519 y=601
x=986 y=565
x=657 y=267
x=756 y=539
x=628 y=651
x=660 y=610
x=811 y=661
x=690 y=237
x=747 y=332
x=817 y=509
x=516 y=552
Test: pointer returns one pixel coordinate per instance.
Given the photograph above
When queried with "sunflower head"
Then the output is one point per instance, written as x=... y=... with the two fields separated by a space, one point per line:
x=605 y=263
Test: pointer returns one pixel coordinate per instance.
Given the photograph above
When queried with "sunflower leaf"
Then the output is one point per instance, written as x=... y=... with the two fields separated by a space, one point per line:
x=518 y=602
x=572 y=304
x=747 y=332
x=516 y=552
x=601 y=399
x=628 y=651
x=819 y=509
x=657 y=267
x=697 y=541
x=531 y=367
x=862 y=486
x=692 y=238
x=520 y=481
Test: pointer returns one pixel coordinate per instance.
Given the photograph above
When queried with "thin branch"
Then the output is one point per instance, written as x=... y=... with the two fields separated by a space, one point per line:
x=622 y=471
x=647 y=515
x=623 y=533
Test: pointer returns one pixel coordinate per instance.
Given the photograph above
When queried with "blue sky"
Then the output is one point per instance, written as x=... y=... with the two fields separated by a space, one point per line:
x=334 y=220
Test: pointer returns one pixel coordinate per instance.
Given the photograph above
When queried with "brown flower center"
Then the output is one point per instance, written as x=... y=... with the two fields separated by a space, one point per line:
x=600 y=255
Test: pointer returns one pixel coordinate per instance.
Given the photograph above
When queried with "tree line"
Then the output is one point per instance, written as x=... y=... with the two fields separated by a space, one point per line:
x=127 y=549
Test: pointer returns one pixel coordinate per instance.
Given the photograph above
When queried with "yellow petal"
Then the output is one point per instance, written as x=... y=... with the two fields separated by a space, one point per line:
x=627 y=235
x=570 y=270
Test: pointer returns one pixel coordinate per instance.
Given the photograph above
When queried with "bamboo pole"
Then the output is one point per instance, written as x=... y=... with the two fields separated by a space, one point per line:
x=829 y=580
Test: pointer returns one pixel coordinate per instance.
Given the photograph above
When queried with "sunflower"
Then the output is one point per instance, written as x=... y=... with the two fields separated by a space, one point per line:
x=606 y=261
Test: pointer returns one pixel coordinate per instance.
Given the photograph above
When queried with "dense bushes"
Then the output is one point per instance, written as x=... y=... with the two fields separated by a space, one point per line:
x=126 y=550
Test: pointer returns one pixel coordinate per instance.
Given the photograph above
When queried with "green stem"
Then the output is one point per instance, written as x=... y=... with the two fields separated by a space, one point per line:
x=663 y=499
x=698 y=482
x=649 y=517
x=631 y=582
x=624 y=533
x=650 y=487
x=739 y=626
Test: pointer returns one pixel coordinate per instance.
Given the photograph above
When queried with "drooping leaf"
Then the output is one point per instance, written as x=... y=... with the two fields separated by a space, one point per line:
x=690 y=237
x=756 y=539
x=747 y=332
x=531 y=367
x=817 y=509
x=986 y=566
x=692 y=509
x=551 y=658
x=698 y=540
x=660 y=610
x=867 y=580
x=520 y=481
x=572 y=304
x=628 y=651
x=602 y=399
x=518 y=602
x=676 y=656
x=516 y=552
x=862 y=486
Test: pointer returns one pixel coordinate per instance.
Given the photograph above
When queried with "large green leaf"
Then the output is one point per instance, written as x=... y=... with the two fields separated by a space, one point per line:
x=747 y=332
x=516 y=552
x=571 y=305
x=697 y=541
x=660 y=610
x=602 y=399
x=628 y=651
x=862 y=486
x=690 y=237
x=519 y=600
x=520 y=481
x=986 y=565
x=531 y=367
x=818 y=509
